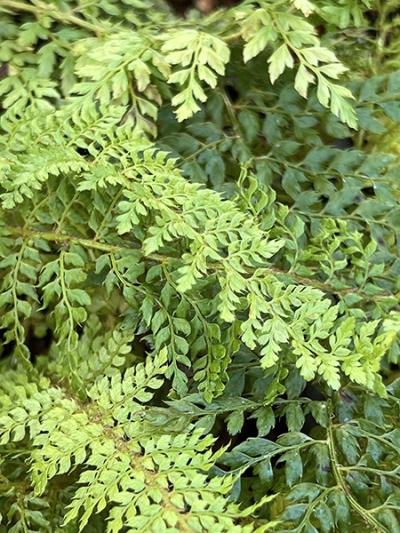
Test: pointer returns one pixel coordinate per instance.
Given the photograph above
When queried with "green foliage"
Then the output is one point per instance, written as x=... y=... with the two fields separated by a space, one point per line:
x=199 y=257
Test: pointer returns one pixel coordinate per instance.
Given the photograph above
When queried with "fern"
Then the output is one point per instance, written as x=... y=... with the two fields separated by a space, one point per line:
x=199 y=227
x=146 y=481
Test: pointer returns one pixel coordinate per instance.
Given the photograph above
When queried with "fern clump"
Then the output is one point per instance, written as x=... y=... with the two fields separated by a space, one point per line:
x=199 y=300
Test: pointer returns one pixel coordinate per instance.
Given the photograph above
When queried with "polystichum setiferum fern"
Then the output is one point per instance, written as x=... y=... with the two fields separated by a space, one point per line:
x=199 y=301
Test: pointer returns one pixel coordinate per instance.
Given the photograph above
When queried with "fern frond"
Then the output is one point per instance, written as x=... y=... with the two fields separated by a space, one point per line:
x=144 y=480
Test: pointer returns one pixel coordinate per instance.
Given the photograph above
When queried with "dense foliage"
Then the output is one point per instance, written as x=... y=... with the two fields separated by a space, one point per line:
x=199 y=237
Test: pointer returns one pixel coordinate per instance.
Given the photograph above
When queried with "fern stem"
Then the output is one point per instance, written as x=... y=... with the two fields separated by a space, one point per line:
x=65 y=298
x=53 y=236
x=386 y=473
x=38 y=7
x=365 y=514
